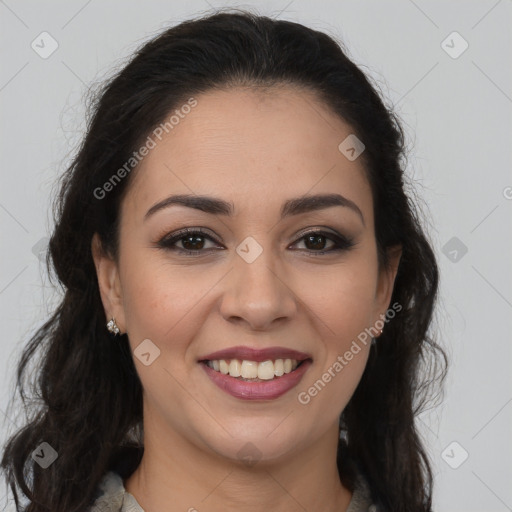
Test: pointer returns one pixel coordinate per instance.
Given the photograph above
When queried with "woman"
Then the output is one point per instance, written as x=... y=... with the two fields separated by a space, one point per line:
x=248 y=289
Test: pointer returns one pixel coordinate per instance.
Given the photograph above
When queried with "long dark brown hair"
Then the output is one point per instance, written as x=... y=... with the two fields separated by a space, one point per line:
x=88 y=396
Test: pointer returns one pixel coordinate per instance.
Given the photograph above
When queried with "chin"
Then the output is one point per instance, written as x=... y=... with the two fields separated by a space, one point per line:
x=254 y=446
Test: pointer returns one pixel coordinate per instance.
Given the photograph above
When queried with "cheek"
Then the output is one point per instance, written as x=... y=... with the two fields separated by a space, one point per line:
x=155 y=298
x=165 y=303
x=343 y=298
x=341 y=313
x=342 y=301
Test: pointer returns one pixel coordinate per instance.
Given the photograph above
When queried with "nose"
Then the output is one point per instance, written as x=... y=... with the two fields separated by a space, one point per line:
x=258 y=294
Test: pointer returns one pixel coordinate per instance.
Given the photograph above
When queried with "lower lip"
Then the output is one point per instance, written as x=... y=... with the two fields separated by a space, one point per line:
x=267 y=390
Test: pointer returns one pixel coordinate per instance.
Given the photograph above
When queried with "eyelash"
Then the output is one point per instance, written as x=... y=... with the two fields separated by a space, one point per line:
x=342 y=243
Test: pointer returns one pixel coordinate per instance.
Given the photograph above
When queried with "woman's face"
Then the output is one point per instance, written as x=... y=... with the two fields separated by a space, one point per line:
x=257 y=280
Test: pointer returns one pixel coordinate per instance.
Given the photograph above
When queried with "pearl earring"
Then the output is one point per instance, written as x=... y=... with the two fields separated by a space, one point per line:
x=112 y=327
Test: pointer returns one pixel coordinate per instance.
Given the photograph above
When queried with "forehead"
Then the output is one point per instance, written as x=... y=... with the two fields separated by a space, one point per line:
x=252 y=147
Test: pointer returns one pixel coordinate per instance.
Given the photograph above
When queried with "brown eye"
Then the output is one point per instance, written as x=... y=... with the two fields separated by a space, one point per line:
x=192 y=240
x=315 y=242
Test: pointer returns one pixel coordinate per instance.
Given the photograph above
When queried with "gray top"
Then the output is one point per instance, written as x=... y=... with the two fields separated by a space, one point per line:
x=111 y=496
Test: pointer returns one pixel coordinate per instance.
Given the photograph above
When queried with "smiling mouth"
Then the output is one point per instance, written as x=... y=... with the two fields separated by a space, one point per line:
x=254 y=371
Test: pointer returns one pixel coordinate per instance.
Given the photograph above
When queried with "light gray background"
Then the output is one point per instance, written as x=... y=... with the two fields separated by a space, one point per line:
x=457 y=113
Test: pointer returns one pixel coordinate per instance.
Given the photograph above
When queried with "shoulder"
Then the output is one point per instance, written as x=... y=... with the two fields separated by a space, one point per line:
x=361 y=497
x=111 y=496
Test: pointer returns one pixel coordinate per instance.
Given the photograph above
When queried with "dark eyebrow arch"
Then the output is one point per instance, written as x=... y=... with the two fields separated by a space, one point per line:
x=290 y=207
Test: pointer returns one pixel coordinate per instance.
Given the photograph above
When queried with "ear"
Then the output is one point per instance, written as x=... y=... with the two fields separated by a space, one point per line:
x=109 y=283
x=386 y=281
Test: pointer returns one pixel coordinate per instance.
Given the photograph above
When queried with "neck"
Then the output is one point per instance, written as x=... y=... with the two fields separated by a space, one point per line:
x=176 y=475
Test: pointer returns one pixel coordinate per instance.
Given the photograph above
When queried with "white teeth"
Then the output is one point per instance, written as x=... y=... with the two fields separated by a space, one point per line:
x=249 y=369
x=235 y=368
x=278 y=368
x=265 y=370
x=223 y=367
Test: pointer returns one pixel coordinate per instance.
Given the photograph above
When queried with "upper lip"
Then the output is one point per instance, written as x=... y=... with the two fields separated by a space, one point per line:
x=256 y=354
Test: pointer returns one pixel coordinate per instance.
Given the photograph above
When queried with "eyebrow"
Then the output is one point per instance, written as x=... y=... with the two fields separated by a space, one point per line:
x=295 y=206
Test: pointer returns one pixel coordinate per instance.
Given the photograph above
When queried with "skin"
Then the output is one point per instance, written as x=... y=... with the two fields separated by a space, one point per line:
x=255 y=149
